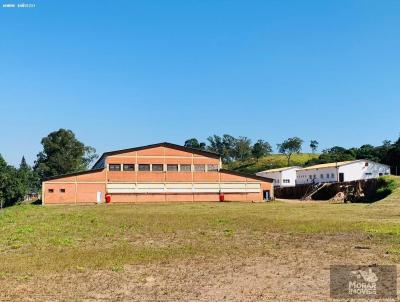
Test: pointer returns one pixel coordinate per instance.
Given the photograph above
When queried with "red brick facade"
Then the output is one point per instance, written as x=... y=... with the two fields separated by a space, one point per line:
x=156 y=173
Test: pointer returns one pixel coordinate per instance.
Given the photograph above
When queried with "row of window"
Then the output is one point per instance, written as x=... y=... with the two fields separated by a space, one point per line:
x=52 y=190
x=322 y=176
x=162 y=167
x=285 y=181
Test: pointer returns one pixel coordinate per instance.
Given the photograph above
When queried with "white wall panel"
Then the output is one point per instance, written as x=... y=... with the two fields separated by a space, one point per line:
x=183 y=188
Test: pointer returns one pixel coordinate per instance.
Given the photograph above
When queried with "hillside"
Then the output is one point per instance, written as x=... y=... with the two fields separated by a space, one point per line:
x=270 y=162
x=389 y=190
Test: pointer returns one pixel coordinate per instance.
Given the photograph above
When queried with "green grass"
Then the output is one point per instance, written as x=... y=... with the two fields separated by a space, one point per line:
x=49 y=239
x=388 y=186
x=270 y=162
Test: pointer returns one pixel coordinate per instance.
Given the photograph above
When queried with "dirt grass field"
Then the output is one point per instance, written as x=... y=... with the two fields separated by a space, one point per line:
x=190 y=252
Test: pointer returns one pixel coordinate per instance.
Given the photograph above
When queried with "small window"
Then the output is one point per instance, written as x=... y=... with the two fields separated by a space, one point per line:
x=200 y=168
x=157 y=167
x=327 y=175
x=62 y=190
x=173 y=168
x=114 y=167
x=186 y=168
x=286 y=181
x=368 y=174
x=322 y=176
x=332 y=175
x=380 y=174
x=144 y=167
x=366 y=164
x=51 y=190
x=212 y=167
x=310 y=176
x=129 y=167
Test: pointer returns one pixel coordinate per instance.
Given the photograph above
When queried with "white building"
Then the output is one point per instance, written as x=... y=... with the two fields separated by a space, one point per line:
x=341 y=171
x=283 y=177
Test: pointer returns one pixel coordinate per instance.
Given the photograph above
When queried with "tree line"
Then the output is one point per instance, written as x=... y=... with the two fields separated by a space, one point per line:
x=241 y=148
x=388 y=153
x=63 y=153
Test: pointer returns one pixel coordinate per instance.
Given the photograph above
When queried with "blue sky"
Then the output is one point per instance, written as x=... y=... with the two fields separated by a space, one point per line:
x=127 y=73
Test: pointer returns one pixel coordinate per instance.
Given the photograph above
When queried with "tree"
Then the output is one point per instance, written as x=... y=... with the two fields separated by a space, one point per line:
x=334 y=154
x=194 y=143
x=314 y=145
x=11 y=187
x=289 y=147
x=383 y=150
x=23 y=166
x=242 y=148
x=216 y=145
x=367 y=152
x=224 y=146
x=393 y=157
x=63 y=153
x=261 y=148
x=3 y=179
x=28 y=177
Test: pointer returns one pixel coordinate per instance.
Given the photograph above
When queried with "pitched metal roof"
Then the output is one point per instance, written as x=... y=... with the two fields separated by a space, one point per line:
x=281 y=169
x=73 y=174
x=164 y=144
x=338 y=164
x=262 y=178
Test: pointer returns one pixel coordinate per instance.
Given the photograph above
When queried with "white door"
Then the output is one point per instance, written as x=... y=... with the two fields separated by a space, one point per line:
x=99 y=200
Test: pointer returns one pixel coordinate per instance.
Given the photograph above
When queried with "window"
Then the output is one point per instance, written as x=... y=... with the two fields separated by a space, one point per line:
x=51 y=190
x=186 y=168
x=62 y=190
x=212 y=167
x=310 y=176
x=327 y=175
x=315 y=176
x=114 y=167
x=332 y=175
x=366 y=164
x=129 y=167
x=157 y=167
x=286 y=181
x=200 y=168
x=368 y=174
x=380 y=174
x=144 y=167
x=173 y=168
x=322 y=176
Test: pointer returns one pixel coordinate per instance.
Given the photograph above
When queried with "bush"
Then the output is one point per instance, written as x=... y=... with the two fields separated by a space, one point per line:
x=385 y=187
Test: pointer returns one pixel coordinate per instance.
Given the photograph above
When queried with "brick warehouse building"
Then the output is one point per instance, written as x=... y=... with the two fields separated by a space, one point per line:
x=156 y=173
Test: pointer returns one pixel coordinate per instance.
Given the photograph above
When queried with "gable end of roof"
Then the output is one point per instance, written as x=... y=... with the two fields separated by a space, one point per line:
x=164 y=144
